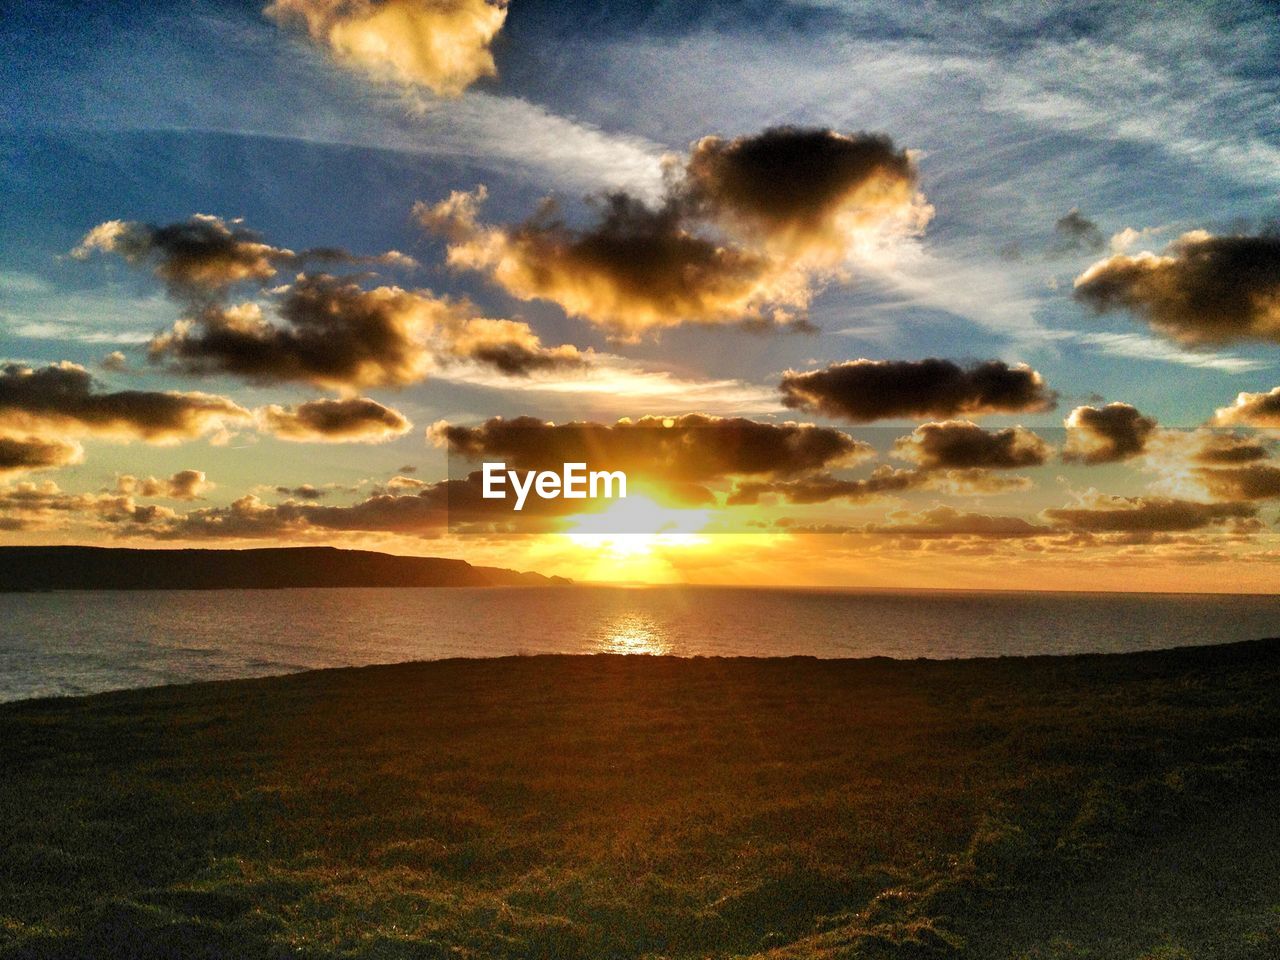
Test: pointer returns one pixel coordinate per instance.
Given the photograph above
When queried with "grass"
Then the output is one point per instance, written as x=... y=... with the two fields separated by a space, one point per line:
x=603 y=807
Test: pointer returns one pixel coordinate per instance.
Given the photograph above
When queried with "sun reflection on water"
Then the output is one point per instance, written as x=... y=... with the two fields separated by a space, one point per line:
x=633 y=634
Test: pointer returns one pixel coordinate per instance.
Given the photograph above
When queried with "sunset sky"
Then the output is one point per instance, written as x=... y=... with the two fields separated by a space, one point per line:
x=955 y=296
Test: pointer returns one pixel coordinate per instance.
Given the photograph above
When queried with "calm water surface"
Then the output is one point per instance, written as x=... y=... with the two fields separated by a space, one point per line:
x=83 y=642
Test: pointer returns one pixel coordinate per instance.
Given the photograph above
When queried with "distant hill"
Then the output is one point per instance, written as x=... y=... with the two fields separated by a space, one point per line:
x=109 y=568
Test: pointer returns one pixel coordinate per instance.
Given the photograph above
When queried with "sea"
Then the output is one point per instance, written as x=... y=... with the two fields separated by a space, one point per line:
x=72 y=643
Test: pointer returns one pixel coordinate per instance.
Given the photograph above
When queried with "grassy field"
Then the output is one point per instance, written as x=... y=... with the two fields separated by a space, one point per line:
x=581 y=807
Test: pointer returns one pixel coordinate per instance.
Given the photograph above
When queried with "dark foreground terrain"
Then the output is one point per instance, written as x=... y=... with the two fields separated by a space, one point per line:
x=580 y=807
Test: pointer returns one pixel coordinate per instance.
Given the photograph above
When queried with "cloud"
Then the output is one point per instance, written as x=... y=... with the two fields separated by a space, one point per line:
x=1075 y=233
x=1202 y=290
x=1224 y=449
x=183 y=485
x=862 y=391
x=746 y=231
x=354 y=420
x=1129 y=237
x=305 y=491
x=1142 y=347
x=442 y=45
x=637 y=269
x=204 y=255
x=1110 y=514
x=692 y=448
x=883 y=481
x=1107 y=434
x=960 y=444
x=60 y=399
x=805 y=194
x=942 y=522
x=823 y=488
x=507 y=346
x=633 y=387
x=44 y=505
x=1251 y=410
x=23 y=454
x=250 y=518
x=1253 y=481
x=334 y=333
x=427 y=512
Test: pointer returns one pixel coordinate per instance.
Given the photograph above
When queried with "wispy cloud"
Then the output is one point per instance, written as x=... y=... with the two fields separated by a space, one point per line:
x=629 y=385
x=1141 y=347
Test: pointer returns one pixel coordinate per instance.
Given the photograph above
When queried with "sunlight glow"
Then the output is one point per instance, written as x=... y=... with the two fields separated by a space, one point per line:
x=633 y=634
x=636 y=526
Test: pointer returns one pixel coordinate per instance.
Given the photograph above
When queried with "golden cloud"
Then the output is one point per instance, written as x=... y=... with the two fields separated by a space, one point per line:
x=747 y=232
x=332 y=332
x=442 y=45
x=1107 y=434
x=183 y=485
x=1251 y=410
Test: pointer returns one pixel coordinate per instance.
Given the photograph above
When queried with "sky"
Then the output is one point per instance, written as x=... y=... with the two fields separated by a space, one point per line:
x=862 y=294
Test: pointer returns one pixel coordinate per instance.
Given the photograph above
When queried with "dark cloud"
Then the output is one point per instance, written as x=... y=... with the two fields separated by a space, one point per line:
x=204 y=255
x=1107 y=434
x=691 y=448
x=23 y=454
x=1075 y=233
x=1254 y=481
x=883 y=481
x=1104 y=514
x=942 y=522
x=1252 y=410
x=803 y=191
x=862 y=391
x=747 y=230
x=353 y=420
x=1225 y=449
x=334 y=333
x=61 y=398
x=637 y=268
x=318 y=329
x=960 y=444
x=1203 y=289
x=823 y=488
x=306 y=491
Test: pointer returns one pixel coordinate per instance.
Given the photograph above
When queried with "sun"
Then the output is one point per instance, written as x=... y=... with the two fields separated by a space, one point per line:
x=636 y=525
